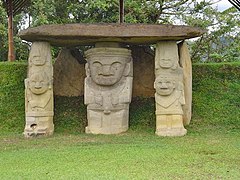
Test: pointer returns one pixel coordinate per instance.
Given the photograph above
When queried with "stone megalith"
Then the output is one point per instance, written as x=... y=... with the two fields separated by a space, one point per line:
x=68 y=75
x=143 y=70
x=108 y=89
x=169 y=94
x=39 y=91
x=186 y=64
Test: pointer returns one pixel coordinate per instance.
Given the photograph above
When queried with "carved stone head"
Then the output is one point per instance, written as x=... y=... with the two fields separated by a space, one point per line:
x=107 y=66
x=38 y=83
x=167 y=55
x=164 y=85
x=167 y=63
x=40 y=53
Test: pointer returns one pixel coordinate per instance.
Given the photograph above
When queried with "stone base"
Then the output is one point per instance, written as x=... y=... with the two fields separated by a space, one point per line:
x=103 y=123
x=171 y=132
x=170 y=125
x=105 y=130
x=38 y=126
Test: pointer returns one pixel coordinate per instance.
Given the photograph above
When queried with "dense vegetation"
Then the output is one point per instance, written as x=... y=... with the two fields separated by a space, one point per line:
x=210 y=150
x=220 y=44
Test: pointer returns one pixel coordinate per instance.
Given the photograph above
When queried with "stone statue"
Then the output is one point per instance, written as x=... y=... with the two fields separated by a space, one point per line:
x=169 y=98
x=166 y=57
x=108 y=89
x=169 y=94
x=39 y=92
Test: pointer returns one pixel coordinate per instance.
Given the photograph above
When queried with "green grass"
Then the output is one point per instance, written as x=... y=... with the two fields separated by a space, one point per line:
x=210 y=150
x=132 y=155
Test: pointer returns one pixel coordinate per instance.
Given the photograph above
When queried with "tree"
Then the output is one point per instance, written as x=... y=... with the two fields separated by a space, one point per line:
x=3 y=33
x=222 y=41
x=21 y=49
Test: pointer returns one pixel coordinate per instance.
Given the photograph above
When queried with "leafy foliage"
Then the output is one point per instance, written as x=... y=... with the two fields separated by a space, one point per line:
x=3 y=33
x=222 y=41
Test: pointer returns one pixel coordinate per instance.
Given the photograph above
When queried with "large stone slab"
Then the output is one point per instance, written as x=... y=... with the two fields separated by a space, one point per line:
x=68 y=74
x=89 y=34
x=143 y=71
x=186 y=64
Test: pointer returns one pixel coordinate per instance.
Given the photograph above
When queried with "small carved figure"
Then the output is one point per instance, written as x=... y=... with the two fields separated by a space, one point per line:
x=108 y=90
x=169 y=98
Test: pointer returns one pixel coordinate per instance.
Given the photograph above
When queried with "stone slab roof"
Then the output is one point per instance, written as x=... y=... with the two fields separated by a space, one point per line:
x=89 y=34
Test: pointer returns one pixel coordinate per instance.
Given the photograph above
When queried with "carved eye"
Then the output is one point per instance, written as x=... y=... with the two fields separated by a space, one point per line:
x=97 y=64
x=168 y=83
x=160 y=82
x=116 y=65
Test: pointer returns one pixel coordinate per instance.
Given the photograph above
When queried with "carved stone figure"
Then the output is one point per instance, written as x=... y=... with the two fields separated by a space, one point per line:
x=39 y=92
x=108 y=89
x=169 y=94
x=169 y=100
x=166 y=56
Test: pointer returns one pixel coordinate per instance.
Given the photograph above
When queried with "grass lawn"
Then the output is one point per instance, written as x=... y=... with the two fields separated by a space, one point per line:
x=136 y=154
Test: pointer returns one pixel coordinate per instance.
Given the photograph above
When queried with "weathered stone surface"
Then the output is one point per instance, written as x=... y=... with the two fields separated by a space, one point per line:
x=186 y=64
x=39 y=92
x=69 y=75
x=89 y=34
x=143 y=70
x=169 y=94
x=108 y=89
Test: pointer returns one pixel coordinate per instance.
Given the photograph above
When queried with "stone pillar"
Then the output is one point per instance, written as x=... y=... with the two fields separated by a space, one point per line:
x=169 y=94
x=39 y=91
x=108 y=88
x=186 y=64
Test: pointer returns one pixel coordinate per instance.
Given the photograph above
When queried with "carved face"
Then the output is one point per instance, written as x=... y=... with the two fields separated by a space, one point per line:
x=38 y=83
x=38 y=60
x=164 y=86
x=107 y=71
x=166 y=62
x=40 y=52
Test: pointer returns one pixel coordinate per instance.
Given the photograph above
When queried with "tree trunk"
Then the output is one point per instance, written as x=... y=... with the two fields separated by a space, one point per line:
x=11 y=56
x=121 y=11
